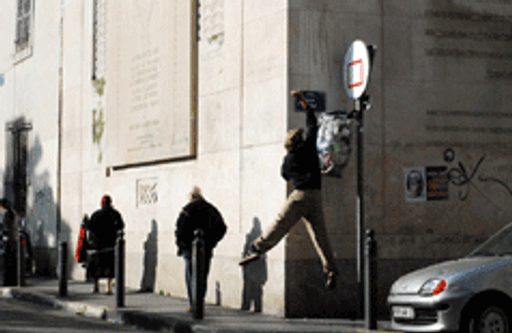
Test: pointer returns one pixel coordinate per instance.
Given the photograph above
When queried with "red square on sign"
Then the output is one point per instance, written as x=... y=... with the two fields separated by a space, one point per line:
x=353 y=68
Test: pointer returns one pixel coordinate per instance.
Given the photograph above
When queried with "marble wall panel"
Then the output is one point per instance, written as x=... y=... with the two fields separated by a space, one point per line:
x=72 y=132
x=219 y=121
x=92 y=189
x=171 y=276
x=263 y=189
x=73 y=36
x=220 y=59
x=219 y=178
x=264 y=112
x=256 y=9
x=268 y=62
x=232 y=11
x=225 y=278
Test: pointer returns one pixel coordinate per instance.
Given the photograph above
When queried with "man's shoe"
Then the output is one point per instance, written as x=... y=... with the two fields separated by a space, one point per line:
x=330 y=283
x=250 y=258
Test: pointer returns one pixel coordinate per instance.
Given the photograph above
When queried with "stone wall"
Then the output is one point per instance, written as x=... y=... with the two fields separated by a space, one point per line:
x=440 y=106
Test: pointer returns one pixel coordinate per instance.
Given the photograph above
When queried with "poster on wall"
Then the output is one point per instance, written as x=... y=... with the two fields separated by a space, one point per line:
x=426 y=183
x=415 y=184
x=437 y=183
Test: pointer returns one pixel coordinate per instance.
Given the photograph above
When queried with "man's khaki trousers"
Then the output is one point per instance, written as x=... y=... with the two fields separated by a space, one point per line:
x=305 y=205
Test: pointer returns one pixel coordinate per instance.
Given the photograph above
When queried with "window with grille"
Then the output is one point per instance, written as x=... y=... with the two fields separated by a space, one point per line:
x=24 y=27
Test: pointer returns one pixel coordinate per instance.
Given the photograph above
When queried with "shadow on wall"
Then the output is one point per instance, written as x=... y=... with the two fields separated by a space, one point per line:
x=147 y=284
x=255 y=273
x=37 y=197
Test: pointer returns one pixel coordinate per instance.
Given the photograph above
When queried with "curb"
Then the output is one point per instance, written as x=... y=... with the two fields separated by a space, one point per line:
x=78 y=308
x=139 y=319
x=126 y=317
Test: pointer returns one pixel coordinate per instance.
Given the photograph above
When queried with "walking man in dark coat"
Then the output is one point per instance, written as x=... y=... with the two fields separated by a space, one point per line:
x=103 y=227
x=198 y=214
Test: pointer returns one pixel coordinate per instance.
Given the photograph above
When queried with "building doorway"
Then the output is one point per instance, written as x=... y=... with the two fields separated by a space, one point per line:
x=16 y=150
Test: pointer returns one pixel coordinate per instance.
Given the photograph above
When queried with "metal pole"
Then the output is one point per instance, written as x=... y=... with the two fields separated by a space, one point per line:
x=63 y=262
x=120 y=248
x=360 y=204
x=21 y=260
x=369 y=281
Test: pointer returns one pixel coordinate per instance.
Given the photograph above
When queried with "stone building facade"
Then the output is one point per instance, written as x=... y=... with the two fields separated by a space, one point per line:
x=119 y=97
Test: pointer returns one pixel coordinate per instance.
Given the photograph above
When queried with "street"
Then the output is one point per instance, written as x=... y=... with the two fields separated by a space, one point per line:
x=25 y=317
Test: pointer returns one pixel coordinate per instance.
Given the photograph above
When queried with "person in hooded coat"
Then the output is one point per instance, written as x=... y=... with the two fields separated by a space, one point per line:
x=103 y=228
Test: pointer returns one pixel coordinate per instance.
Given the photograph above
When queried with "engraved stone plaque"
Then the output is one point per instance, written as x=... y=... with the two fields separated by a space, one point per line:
x=150 y=81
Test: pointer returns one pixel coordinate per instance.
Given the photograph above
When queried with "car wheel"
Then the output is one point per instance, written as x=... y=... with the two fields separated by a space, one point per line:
x=490 y=319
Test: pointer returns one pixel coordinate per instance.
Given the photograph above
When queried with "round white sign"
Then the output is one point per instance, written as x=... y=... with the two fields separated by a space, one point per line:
x=356 y=69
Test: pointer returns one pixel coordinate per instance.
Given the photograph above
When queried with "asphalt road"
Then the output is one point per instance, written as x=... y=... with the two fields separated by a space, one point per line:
x=16 y=316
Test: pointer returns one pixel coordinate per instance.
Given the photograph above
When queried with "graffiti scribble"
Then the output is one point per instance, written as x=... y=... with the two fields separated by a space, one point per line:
x=459 y=177
x=492 y=179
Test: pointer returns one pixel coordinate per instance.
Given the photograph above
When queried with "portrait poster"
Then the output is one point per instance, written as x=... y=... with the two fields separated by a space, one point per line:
x=415 y=186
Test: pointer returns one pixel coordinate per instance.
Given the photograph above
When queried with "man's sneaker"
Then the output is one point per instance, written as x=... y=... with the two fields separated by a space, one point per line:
x=330 y=282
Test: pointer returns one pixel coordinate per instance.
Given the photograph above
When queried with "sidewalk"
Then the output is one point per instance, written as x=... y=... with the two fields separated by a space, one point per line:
x=165 y=313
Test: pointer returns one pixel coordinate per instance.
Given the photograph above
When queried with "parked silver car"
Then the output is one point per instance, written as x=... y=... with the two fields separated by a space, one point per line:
x=471 y=294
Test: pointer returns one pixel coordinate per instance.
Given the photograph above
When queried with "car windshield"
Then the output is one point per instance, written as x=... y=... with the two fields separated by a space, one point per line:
x=498 y=244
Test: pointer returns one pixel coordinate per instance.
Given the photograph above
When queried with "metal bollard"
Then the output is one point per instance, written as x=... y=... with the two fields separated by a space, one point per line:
x=198 y=274
x=120 y=247
x=63 y=263
x=20 y=260
x=370 y=279
x=5 y=242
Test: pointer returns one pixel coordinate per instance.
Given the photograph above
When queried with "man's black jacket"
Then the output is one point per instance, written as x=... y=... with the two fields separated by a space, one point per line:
x=199 y=214
x=301 y=165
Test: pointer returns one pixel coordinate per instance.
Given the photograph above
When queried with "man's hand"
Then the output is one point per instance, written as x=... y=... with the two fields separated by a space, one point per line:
x=298 y=94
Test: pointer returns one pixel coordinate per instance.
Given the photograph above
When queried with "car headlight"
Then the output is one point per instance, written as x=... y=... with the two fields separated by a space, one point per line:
x=433 y=287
